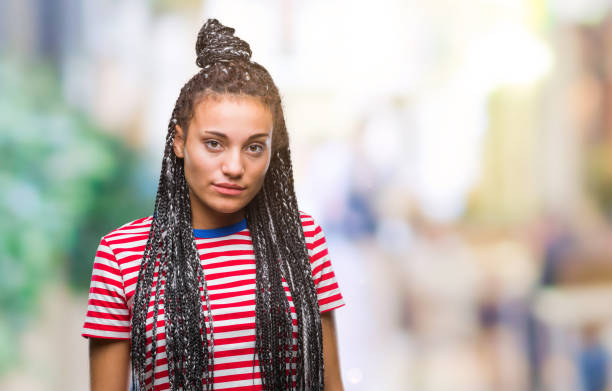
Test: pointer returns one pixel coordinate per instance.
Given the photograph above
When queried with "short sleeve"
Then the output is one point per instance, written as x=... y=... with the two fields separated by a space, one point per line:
x=107 y=313
x=328 y=291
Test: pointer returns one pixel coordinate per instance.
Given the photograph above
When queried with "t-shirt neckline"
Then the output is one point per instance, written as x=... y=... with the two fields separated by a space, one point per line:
x=222 y=231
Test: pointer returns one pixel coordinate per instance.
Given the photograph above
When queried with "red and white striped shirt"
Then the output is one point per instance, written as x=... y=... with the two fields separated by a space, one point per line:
x=228 y=260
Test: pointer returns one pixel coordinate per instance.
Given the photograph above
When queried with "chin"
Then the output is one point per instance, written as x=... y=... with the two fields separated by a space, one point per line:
x=228 y=207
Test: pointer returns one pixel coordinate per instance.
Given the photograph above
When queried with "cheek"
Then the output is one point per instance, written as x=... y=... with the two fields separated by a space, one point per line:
x=263 y=168
x=198 y=166
x=259 y=171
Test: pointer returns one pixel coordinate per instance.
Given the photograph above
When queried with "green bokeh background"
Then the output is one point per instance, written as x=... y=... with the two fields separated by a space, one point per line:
x=64 y=183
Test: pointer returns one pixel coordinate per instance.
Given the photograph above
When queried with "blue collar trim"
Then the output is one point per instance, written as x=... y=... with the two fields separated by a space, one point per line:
x=218 y=232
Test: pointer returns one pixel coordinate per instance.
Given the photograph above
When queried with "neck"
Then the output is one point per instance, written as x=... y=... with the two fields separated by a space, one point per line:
x=203 y=217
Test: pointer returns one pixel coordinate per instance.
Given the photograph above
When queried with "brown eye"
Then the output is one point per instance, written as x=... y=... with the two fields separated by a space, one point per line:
x=256 y=148
x=212 y=144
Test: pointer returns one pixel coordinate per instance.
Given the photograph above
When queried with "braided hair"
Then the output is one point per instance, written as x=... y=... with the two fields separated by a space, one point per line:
x=171 y=270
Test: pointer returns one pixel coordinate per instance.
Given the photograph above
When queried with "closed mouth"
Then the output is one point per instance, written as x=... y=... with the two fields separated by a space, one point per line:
x=229 y=186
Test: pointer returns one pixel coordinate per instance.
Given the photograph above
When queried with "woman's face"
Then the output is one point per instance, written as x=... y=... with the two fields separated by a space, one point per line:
x=226 y=154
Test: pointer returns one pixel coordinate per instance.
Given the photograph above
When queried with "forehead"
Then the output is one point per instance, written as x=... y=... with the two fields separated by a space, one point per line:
x=232 y=114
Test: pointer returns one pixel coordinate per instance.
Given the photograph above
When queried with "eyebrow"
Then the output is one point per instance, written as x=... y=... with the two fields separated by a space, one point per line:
x=223 y=135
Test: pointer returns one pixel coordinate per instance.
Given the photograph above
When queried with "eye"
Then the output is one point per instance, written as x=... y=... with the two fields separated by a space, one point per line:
x=256 y=148
x=213 y=144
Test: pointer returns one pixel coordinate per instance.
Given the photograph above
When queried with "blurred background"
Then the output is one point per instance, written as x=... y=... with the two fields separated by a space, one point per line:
x=458 y=155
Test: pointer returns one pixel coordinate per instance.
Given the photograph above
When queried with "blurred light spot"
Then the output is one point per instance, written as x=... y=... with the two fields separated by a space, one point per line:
x=579 y=10
x=355 y=375
x=395 y=235
x=509 y=54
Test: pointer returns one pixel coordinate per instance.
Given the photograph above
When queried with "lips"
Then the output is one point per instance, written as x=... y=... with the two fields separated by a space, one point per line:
x=229 y=186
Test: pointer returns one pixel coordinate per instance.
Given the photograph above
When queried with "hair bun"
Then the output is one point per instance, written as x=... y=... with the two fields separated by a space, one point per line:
x=217 y=42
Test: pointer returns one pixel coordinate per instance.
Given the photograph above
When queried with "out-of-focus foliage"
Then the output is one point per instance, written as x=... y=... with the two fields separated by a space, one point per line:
x=64 y=184
x=598 y=176
x=170 y=5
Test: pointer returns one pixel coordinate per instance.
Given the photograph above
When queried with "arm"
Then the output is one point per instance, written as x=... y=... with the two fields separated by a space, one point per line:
x=109 y=364
x=333 y=380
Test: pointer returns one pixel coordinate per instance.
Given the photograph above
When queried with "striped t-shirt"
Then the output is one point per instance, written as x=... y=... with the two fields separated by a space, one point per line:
x=228 y=260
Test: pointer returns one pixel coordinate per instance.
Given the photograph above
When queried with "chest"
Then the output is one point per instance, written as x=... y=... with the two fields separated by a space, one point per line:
x=230 y=274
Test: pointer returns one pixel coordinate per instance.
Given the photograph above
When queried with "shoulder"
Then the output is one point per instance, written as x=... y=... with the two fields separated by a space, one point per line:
x=132 y=231
x=312 y=229
x=308 y=222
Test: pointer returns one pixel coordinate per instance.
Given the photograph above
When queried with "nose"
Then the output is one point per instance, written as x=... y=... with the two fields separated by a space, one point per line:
x=232 y=165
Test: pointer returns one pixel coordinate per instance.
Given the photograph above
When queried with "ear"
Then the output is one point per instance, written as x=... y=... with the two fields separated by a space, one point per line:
x=179 y=141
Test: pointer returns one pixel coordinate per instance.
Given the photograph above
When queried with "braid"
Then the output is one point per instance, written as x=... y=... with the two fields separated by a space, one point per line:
x=172 y=276
x=172 y=270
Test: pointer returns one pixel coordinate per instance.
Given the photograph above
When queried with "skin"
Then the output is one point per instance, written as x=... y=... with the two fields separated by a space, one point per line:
x=332 y=378
x=228 y=141
x=109 y=364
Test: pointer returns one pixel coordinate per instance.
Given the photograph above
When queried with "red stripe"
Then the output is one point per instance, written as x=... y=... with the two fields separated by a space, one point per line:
x=106 y=292
x=105 y=255
x=318 y=255
x=231 y=340
x=107 y=268
x=106 y=327
x=233 y=284
x=93 y=335
x=140 y=249
x=234 y=262
x=324 y=277
x=131 y=281
x=330 y=299
x=233 y=327
x=327 y=288
x=224 y=295
x=328 y=275
x=133 y=269
x=318 y=242
x=319 y=267
x=241 y=376
x=131 y=226
x=220 y=243
x=333 y=308
x=107 y=281
x=235 y=315
x=130 y=258
x=234 y=352
x=106 y=315
x=107 y=304
x=230 y=305
x=227 y=253
x=216 y=276
x=130 y=239
x=236 y=364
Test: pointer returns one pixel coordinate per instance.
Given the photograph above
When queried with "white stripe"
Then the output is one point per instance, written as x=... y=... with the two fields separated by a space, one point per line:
x=337 y=303
x=106 y=322
x=107 y=298
x=108 y=310
x=104 y=334
x=102 y=285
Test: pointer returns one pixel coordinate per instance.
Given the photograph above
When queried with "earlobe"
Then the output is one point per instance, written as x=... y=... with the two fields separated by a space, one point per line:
x=179 y=139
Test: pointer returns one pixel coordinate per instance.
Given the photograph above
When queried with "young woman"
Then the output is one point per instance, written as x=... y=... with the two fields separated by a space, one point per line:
x=246 y=284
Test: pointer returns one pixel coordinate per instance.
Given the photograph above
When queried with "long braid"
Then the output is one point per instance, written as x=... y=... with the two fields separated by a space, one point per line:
x=172 y=276
x=298 y=274
x=177 y=276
